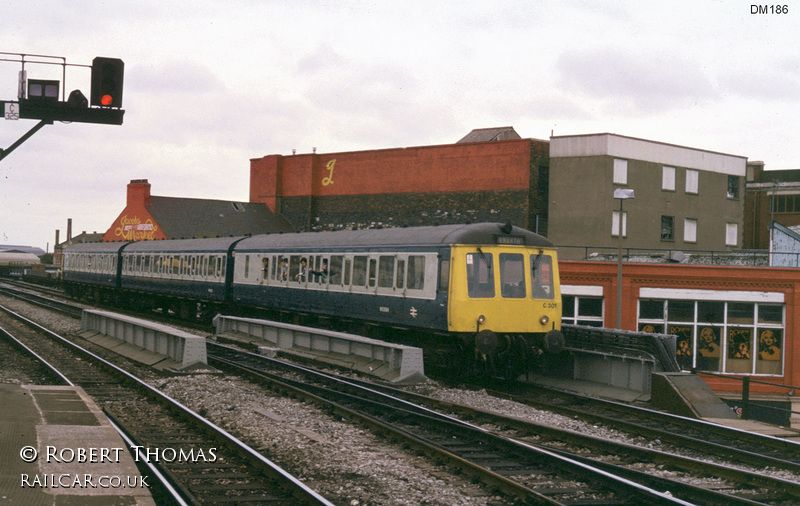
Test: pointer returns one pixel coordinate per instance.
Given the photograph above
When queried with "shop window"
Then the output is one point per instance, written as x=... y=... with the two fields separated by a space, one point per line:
x=734 y=337
x=582 y=310
x=681 y=311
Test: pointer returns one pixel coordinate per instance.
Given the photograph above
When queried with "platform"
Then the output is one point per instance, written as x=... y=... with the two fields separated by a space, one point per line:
x=57 y=448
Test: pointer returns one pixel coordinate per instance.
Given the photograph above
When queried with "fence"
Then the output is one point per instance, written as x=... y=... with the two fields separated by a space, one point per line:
x=748 y=405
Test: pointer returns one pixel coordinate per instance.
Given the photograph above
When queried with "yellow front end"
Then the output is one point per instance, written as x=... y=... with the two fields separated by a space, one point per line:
x=507 y=289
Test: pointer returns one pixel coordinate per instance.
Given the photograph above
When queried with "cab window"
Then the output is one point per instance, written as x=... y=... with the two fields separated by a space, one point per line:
x=480 y=275
x=512 y=275
x=542 y=276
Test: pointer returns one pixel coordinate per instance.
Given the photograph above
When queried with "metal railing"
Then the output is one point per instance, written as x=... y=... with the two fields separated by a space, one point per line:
x=747 y=404
x=758 y=258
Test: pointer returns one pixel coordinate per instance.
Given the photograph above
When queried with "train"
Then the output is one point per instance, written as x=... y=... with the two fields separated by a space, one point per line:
x=482 y=299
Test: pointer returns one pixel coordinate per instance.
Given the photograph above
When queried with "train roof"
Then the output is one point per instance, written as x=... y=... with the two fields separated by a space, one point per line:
x=212 y=244
x=477 y=233
x=18 y=258
x=94 y=247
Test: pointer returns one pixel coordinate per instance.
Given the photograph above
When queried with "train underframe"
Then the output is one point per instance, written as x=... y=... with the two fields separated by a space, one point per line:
x=485 y=354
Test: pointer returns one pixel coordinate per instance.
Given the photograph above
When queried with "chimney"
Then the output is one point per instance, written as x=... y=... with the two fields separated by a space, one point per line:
x=139 y=192
x=58 y=232
x=69 y=229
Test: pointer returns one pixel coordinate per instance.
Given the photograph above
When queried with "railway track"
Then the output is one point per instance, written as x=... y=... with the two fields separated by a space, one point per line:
x=691 y=479
x=706 y=438
x=211 y=465
x=526 y=461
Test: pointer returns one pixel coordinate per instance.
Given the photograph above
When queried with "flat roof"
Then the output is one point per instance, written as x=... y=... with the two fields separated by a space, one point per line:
x=622 y=146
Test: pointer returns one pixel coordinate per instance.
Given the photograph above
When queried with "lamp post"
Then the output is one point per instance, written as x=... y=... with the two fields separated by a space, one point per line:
x=620 y=194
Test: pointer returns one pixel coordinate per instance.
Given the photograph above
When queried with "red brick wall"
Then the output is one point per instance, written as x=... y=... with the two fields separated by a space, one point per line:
x=499 y=165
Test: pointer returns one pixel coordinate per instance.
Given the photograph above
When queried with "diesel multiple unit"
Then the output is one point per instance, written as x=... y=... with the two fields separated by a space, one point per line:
x=481 y=298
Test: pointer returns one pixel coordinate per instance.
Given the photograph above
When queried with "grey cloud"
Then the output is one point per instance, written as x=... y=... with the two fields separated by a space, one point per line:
x=650 y=82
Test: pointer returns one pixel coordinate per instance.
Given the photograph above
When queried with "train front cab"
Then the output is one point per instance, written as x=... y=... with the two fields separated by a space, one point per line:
x=505 y=303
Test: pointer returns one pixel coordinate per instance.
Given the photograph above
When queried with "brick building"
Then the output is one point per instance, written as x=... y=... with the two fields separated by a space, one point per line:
x=770 y=195
x=737 y=321
x=490 y=175
x=150 y=217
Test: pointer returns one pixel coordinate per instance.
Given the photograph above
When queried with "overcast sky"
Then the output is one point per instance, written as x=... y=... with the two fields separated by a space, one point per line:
x=210 y=85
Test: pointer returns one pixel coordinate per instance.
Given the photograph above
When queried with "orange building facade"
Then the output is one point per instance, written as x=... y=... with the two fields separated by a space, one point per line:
x=734 y=322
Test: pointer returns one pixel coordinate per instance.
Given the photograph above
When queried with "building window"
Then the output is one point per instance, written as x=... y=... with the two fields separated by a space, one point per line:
x=668 y=178
x=731 y=234
x=731 y=337
x=667 y=228
x=620 y=171
x=733 y=187
x=582 y=310
x=615 y=224
x=692 y=181
x=786 y=203
x=690 y=230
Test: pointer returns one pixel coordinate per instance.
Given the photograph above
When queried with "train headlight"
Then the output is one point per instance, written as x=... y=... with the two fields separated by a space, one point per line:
x=481 y=319
x=544 y=319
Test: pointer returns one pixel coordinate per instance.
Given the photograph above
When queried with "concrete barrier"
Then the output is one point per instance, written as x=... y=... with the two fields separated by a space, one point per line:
x=392 y=362
x=157 y=345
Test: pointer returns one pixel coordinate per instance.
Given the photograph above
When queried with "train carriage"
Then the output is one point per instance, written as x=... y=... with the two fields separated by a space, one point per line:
x=91 y=267
x=187 y=270
x=384 y=276
x=485 y=294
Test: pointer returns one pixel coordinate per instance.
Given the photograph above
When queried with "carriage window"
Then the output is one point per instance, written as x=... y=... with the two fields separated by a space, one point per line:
x=298 y=268
x=444 y=275
x=512 y=276
x=281 y=272
x=321 y=271
x=415 y=279
x=335 y=270
x=480 y=275
x=401 y=273
x=146 y=267
x=247 y=266
x=347 y=263
x=542 y=276
x=386 y=272
x=360 y=271
x=265 y=268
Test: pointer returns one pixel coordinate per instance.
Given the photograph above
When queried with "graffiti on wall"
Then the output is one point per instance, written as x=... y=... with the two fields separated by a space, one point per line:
x=329 y=178
x=133 y=229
